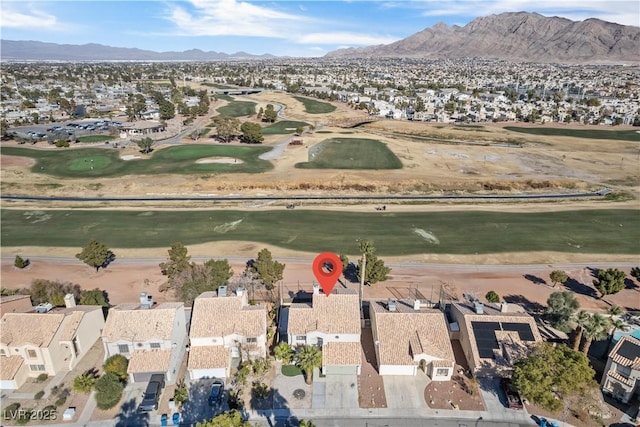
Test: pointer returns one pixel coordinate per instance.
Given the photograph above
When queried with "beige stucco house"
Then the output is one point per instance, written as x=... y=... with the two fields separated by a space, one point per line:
x=152 y=337
x=409 y=338
x=35 y=343
x=15 y=304
x=225 y=329
x=622 y=372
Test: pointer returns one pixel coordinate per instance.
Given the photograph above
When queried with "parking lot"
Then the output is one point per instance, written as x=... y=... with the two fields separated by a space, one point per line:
x=63 y=130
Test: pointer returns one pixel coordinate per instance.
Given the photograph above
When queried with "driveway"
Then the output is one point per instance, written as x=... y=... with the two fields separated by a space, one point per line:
x=495 y=400
x=197 y=408
x=405 y=391
x=335 y=391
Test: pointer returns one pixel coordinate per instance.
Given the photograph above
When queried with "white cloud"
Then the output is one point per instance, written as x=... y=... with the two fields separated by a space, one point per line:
x=344 y=38
x=233 y=18
x=620 y=11
x=15 y=16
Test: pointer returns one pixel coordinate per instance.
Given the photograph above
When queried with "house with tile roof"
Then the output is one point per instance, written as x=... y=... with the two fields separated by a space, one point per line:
x=46 y=343
x=493 y=336
x=15 y=304
x=225 y=329
x=331 y=322
x=622 y=371
x=152 y=337
x=409 y=338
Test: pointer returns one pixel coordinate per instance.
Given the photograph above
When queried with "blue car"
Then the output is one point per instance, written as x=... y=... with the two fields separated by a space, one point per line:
x=217 y=388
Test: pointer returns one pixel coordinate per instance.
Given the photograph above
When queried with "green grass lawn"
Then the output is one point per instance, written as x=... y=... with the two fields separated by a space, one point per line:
x=101 y=162
x=312 y=106
x=283 y=127
x=224 y=97
x=351 y=153
x=618 y=135
x=603 y=231
x=290 y=370
x=95 y=138
x=238 y=109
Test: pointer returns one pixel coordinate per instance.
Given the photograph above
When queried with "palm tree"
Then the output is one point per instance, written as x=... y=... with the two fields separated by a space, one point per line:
x=616 y=310
x=581 y=319
x=596 y=328
x=307 y=358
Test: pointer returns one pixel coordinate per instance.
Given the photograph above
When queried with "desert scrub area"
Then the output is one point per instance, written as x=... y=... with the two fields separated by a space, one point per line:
x=612 y=231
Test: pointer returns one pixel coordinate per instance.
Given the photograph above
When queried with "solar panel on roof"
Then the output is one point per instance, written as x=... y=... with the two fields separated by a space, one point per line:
x=523 y=330
x=485 y=333
x=629 y=350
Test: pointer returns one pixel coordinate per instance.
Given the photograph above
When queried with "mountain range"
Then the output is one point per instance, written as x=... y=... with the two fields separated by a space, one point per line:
x=12 y=50
x=516 y=36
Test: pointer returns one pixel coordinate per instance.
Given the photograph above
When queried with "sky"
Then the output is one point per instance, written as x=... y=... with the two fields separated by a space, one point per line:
x=281 y=27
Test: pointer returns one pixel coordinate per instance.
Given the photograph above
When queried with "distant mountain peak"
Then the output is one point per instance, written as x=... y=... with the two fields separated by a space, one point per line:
x=518 y=36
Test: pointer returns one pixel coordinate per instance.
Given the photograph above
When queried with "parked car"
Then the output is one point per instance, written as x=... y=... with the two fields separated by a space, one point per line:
x=513 y=398
x=217 y=388
x=151 y=395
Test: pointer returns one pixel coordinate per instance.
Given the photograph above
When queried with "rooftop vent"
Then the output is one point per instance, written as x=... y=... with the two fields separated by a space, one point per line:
x=222 y=291
x=416 y=304
x=504 y=307
x=391 y=304
x=479 y=307
x=316 y=289
x=44 y=307
x=146 y=301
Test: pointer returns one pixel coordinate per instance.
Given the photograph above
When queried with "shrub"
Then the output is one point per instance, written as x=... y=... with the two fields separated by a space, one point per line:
x=108 y=391
x=260 y=366
x=42 y=378
x=20 y=262
x=260 y=390
x=180 y=395
x=243 y=372
x=62 y=143
x=38 y=395
x=84 y=382
x=23 y=417
x=12 y=408
x=284 y=352
x=492 y=296
x=117 y=365
x=60 y=401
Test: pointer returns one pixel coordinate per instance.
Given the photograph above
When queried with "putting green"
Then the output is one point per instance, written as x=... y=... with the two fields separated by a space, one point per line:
x=89 y=163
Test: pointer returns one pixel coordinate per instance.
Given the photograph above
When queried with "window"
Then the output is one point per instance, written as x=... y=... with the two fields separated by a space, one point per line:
x=36 y=367
x=155 y=345
x=123 y=348
x=301 y=337
x=252 y=340
x=442 y=372
x=32 y=354
x=2 y=352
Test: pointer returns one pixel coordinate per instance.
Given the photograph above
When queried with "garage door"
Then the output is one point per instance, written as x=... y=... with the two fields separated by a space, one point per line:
x=340 y=370
x=144 y=377
x=8 y=385
x=196 y=374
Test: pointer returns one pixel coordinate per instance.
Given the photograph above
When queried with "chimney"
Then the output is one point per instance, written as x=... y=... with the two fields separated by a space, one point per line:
x=146 y=302
x=222 y=291
x=316 y=289
x=504 y=307
x=479 y=307
x=69 y=301
x=416 y=304
x=391 y=304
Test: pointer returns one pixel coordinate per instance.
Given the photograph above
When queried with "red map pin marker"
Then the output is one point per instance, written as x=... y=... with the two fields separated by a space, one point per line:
x=327 y=277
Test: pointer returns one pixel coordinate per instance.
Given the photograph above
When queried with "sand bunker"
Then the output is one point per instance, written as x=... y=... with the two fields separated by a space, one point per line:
x=130 y=157
x=219 y=160
x=429 y=237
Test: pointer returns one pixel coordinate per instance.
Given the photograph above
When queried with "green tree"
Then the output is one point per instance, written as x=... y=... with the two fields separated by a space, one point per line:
x=96 y=254
x=610 y=281
x=180 y=394
x=84 y=382
x=199 y=278
x=260 y=113
x=270 y=114
x=43 y=291
x=345 y=262
x=558 y=276
x=308 y=357
x=375 y=270
x=299 y=130
x=178 y=261
x=226 y=127
x=561 y=307
x=581 y=320
x=20 y=262
x=251 y=133
x=117 y=365
x=167 y=110
x=306 y=423
x=4 y=127
x=232 y=418
x=145 y=145
x=94 y=297
x=268 y=270
x=108 y=391
x=492 y=296
x=635 y=272
x=420 y=107
x=284 y=352
x=551 y=374
x=595 y=329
